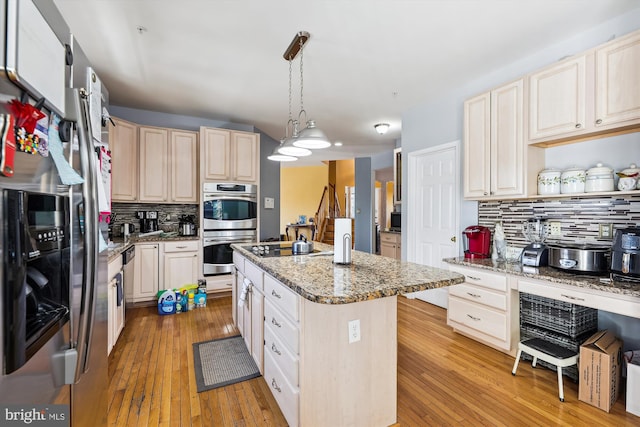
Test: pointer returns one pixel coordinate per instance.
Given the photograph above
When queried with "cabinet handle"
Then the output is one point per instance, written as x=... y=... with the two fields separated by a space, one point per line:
x=181 y=247
x=275 y=349
x=486 y=194
x=473 y=318
x=274 y=384
x=599 y=121
x=578 y=125
x=195 y=255
x=275 y=294
x=473 y=277
x=572 y=298
x=275 y=322
x=473 y=295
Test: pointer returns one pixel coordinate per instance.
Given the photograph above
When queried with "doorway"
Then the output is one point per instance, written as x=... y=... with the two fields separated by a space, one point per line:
x=433 y=214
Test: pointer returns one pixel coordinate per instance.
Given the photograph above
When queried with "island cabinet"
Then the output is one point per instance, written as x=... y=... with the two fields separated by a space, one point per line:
x=228 y=155
x=248 y=307
x=592 y=93
x=486 y=308
x=497 y=162
x=320 y=370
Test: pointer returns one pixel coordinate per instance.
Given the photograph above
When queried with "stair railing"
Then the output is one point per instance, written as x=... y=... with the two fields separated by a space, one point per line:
x=326 y=211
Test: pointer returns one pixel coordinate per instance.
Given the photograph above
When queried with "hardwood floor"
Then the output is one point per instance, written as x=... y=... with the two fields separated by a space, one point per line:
x=443 y=378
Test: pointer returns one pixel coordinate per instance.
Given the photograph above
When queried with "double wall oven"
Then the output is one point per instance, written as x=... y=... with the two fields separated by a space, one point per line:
x=230 y=215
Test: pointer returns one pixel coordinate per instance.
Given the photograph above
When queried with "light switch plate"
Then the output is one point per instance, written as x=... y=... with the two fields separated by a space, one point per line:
x=269 y=203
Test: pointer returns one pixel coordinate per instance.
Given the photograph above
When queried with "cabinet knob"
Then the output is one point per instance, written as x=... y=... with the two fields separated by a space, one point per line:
x=578 y=125
x=453 y=239
x=599 y=121
x=486 y=194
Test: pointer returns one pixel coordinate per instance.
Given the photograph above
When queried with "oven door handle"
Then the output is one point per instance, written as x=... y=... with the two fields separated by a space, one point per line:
x=223 y=240
x=208 y=197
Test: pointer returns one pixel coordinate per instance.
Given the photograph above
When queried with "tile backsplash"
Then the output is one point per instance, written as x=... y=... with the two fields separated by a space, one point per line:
x=580 y=218
x=126 y=212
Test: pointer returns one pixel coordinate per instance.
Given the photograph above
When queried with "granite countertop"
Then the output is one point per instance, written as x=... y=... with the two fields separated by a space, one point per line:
x=118 y=246
x=319 y=280
x=114 y=249
x=599 y=283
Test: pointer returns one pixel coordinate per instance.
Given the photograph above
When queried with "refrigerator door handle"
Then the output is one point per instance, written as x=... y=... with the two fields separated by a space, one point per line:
x=90 y=257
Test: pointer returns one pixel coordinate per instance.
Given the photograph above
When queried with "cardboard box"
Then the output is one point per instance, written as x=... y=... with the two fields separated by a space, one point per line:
x=633 y=381
x=600 y=368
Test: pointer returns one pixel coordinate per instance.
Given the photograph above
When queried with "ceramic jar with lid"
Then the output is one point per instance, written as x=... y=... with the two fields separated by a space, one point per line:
x=549 y=181
x=572 y=180
x=629 y=178
x=599 y=178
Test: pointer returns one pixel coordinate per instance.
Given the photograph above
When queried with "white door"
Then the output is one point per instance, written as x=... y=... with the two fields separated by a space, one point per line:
x=432 y=211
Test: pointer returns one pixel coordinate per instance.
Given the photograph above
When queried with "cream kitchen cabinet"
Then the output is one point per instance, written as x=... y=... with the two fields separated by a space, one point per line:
x=390 y=245
x=146 y=282
x=485 y=307
x=228 y=155
x=115 y=315
x=123 y=143
x=593 y=93
x=154 y=164
x=497 y=163
x=180 y=263
x=168 y=165
x=250 y=316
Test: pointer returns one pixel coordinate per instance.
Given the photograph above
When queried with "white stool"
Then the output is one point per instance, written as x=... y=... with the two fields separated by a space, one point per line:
x=550 y=353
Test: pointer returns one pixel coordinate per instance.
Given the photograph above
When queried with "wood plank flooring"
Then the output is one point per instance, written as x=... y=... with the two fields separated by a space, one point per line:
x=443 y=378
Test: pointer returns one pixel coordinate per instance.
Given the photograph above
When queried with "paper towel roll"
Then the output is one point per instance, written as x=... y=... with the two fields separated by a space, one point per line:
x=342 y=241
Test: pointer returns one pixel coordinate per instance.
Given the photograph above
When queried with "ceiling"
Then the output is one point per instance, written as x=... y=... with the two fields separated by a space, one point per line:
x=367 y=61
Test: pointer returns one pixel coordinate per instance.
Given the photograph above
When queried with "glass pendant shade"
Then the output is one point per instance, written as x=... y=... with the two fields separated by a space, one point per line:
x=311 y=137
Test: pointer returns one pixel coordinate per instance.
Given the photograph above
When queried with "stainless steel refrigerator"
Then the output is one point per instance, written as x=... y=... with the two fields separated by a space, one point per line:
x=53 y=289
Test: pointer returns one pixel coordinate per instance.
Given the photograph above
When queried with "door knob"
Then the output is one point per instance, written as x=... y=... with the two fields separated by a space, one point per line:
x=453 y=239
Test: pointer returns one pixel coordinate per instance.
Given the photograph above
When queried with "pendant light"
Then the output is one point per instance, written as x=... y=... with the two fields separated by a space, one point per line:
x=311 y=136
x=276 y=156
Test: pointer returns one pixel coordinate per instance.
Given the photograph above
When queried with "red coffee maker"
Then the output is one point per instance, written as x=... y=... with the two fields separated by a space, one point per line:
x=477 y=241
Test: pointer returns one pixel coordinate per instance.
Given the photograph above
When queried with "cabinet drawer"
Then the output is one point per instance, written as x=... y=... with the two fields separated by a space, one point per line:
x=390 y=237
x=480 y=295
x=254 y=274
x=281 y=327
x=482 y=278
x=285 y=394
x=286 y=361
x=478 y=317
x=238 y=261
x=181 y=246
x=282 y=297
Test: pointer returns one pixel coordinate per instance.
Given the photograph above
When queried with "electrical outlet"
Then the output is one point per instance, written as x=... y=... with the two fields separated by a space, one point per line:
x=606 y=231
x=555 y=229
x=354 y=331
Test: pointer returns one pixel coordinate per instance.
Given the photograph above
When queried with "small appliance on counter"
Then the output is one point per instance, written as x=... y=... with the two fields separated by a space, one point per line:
x=625 y=254
x=477 y=241
x=580 y=258
x=342 y=241
x=126 y=230
x=148 y=221
x=396 y=221
x=187 y=225
x=536 y=253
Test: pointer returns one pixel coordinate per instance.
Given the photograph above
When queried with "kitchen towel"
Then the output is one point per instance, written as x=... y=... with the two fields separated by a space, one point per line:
x=246 y=285
x=119 y=288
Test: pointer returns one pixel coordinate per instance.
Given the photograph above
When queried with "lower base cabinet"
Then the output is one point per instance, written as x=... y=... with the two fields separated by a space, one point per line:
x=390 y=245
x=315 y=374
x=115 y=315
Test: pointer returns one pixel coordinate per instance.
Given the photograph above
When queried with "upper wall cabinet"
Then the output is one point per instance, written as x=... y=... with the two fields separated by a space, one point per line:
x=591 y=94
x=183 y=152
x=228 y=155
x=123 y=143
x=497 y=163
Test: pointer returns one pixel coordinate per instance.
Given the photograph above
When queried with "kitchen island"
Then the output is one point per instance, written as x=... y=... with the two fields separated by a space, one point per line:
x=325 y=335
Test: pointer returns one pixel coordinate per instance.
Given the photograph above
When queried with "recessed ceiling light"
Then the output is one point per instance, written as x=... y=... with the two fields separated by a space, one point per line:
x=338 y=144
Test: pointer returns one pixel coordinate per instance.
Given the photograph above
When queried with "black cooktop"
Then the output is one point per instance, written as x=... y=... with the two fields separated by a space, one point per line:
x=271 y=250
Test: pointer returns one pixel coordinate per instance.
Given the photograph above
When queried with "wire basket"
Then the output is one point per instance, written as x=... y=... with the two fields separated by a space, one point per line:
x=557 y=316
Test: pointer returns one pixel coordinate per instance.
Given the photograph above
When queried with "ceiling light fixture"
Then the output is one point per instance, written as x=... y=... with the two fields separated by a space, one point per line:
x=310 y=137
x=382 y=128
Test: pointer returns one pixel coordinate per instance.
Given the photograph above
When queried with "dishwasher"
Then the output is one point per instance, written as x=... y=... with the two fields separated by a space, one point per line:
x=127 y=268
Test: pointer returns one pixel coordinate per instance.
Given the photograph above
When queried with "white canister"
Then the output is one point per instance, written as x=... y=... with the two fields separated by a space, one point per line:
x=599 y=178
x=549 y=181
x=629 y=178
x=573 y=180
